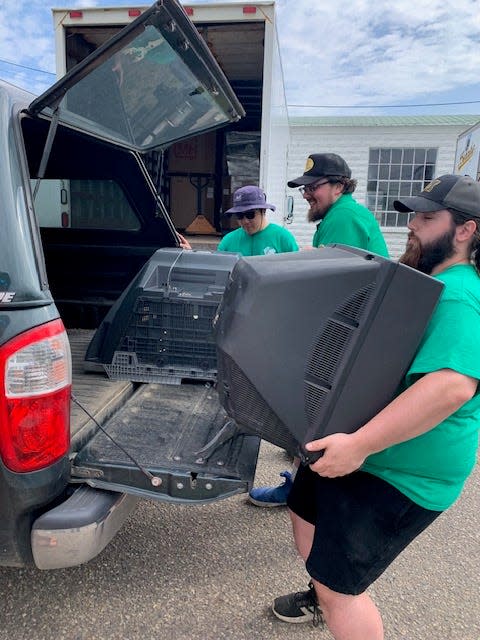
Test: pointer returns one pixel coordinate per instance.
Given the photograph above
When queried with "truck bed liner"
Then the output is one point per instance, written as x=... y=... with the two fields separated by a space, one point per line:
x=99 y=395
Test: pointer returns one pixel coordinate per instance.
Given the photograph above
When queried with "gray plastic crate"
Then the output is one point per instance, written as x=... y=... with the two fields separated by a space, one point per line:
x=161 y=329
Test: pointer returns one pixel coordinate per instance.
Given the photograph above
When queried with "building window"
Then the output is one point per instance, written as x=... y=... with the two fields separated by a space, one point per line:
x=393 y=173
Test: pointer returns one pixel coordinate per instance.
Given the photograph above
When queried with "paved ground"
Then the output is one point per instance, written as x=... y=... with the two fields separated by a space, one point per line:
x=209 y=573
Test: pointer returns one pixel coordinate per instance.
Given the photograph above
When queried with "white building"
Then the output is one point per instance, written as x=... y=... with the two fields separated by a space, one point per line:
x=388 y=155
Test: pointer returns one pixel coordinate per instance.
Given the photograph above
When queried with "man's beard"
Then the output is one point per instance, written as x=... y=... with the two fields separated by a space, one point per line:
x=316 y=215
x=426 y=258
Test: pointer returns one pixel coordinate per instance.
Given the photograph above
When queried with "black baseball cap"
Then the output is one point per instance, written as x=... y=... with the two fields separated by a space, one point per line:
x=319 y=165
x=446 y=192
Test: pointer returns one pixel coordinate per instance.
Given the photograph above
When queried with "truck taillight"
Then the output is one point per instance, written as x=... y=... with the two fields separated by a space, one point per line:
x=35 y=386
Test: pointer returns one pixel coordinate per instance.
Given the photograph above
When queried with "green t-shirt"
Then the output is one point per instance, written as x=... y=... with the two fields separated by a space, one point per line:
x=272 y=239
x=348 y=222
x=431 y=469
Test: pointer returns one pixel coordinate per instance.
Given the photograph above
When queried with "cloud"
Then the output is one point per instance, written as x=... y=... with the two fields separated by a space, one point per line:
x=361 y=54
x=377 y=54
x=26 y=39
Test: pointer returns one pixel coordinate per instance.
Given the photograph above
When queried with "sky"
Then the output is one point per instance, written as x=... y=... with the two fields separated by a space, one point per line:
x=364 y=57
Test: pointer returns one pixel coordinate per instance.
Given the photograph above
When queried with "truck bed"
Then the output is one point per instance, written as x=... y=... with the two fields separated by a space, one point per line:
x=95 y=391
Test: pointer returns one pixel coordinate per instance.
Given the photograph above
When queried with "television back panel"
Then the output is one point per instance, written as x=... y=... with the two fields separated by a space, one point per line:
x=317 y=342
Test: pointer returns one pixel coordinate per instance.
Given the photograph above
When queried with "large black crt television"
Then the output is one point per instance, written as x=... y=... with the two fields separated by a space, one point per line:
x=317 y=342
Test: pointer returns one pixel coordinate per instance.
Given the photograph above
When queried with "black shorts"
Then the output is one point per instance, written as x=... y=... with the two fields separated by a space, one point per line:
x=361 y=524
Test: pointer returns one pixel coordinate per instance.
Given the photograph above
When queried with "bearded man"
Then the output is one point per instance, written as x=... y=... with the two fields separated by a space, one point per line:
x=374 y=491
x=327 y=186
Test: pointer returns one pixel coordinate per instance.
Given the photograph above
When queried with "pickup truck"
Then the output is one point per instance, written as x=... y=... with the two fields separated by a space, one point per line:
x=78 y=449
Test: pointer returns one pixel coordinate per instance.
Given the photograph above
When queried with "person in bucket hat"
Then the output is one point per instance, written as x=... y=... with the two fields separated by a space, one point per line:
x=327 y=186
x=256 y=235
x=374 y=491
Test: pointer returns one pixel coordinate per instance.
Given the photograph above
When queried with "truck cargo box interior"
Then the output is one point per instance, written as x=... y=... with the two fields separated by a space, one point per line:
x=94 y=246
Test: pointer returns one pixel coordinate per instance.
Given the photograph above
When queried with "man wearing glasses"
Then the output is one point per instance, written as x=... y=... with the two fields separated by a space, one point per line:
x=327 y=186
x=256 y=236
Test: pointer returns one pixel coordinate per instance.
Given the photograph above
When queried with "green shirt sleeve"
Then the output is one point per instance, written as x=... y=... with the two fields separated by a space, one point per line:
x=451 y=341
x=230 y=242
x=289 y=243
x=223 y=242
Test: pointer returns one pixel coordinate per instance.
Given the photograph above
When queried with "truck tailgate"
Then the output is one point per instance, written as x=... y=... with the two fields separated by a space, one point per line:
x=173 y=443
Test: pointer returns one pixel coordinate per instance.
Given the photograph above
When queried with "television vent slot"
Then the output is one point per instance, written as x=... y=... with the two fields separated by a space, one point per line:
x=190 y=277
x=354 y=307
x=328 y=352
x=314 y=400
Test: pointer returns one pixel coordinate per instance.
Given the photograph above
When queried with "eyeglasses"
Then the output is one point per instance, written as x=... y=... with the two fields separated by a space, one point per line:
x=249 y=215
x=310 y=188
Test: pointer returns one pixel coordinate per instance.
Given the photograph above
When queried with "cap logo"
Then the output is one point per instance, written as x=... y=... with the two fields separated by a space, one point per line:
x=431 y=185
x=309 y=165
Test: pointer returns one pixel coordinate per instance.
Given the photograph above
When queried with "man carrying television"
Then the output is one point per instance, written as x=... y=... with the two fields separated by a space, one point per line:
x=327 y=186
x=375 y=490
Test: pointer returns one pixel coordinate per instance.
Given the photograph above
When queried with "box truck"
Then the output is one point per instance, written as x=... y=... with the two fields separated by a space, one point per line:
x=196 y=176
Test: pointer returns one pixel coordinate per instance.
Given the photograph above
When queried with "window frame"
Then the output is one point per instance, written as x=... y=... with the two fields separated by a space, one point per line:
x=395 y=172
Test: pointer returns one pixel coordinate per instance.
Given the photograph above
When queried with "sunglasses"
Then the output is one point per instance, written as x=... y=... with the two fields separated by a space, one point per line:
x=249 y=215
x=310 y=188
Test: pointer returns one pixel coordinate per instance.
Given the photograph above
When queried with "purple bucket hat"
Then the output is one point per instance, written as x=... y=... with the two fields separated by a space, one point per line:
x=248 y=198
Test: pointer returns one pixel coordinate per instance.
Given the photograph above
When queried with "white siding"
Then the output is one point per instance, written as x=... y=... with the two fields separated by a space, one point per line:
x=353 y=144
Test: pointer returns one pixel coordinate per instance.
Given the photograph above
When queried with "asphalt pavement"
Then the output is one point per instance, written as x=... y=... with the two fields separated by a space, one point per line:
x=211 y=572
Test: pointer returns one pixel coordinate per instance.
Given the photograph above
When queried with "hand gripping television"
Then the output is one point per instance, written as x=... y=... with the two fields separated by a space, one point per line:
x=317 y=342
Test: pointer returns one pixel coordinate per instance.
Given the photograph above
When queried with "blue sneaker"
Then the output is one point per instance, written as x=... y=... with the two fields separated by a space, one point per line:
x=272 y=496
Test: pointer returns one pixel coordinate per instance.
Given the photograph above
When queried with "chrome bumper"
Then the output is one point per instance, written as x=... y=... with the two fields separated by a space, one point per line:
x=77 y=530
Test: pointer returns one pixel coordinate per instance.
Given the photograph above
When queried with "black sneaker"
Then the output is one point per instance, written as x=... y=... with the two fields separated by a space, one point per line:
x=301 y=606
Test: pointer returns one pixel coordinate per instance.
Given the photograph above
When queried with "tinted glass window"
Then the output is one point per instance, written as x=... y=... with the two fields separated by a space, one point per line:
x=84 y=204
x=155 y=83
